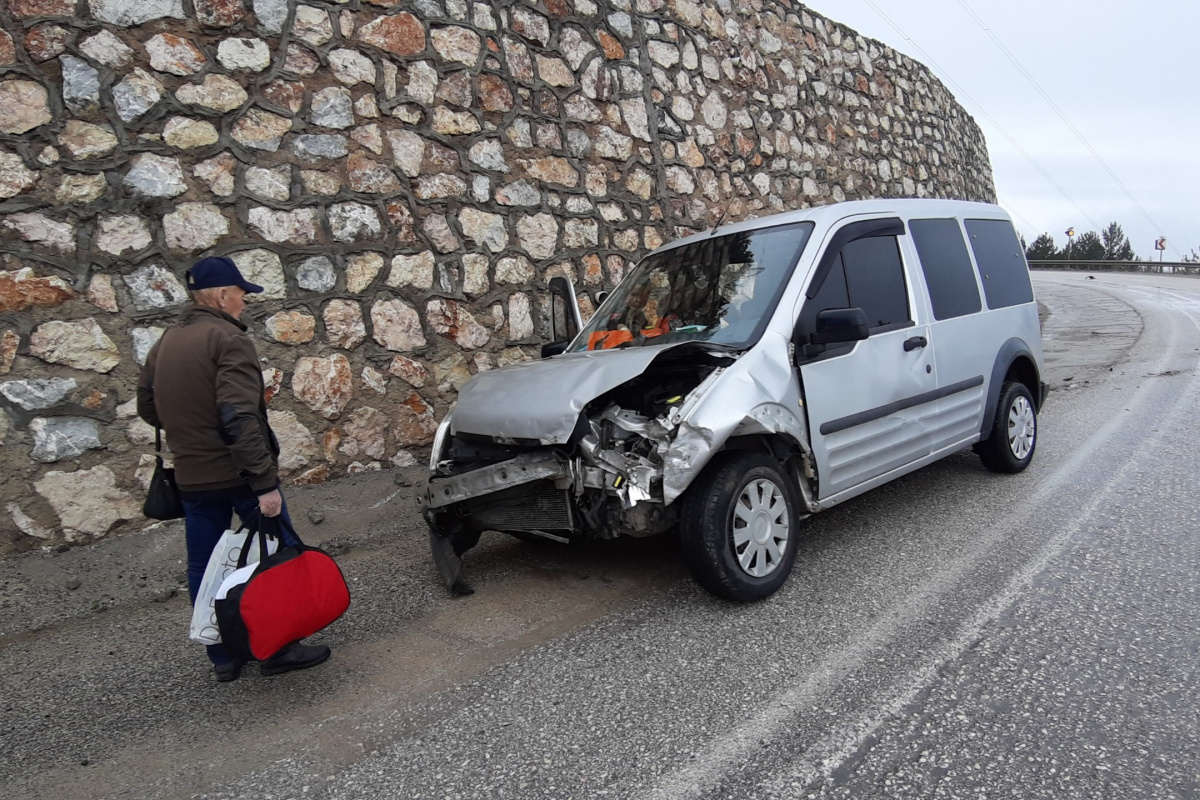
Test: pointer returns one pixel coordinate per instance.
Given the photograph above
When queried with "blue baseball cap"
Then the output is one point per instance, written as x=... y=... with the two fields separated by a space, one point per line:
x=216 y=271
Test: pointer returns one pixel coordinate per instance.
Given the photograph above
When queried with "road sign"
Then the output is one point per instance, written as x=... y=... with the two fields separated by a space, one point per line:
x=1160 y=243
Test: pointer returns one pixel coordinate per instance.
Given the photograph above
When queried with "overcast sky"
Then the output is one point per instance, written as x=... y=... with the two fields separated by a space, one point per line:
x=1124 y=74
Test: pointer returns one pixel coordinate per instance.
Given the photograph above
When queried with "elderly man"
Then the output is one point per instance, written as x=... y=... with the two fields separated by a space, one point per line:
x=203 y=386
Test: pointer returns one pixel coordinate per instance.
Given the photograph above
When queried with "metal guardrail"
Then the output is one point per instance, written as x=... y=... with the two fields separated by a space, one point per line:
x=1156 y=267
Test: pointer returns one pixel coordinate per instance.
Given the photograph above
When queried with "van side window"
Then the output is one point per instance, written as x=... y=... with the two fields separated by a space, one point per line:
x=1001 y=262
x=867 y=274
x=947 y=267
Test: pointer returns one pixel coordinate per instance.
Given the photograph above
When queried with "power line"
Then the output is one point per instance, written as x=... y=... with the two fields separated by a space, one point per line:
x=983 y=112
x=1057 y=110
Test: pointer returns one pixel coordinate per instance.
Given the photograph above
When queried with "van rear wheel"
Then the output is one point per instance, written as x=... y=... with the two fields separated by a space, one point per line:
x=737 y=527
x=1014 y=431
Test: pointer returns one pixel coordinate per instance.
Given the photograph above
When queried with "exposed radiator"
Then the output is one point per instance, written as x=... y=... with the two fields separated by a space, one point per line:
x=534 y=506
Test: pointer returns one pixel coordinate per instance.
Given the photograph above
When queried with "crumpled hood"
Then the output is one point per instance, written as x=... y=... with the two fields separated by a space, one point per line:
x=542 y=400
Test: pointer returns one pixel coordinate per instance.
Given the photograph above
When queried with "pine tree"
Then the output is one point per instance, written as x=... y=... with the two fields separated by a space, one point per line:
x=1116 y=245
x=1088 y=247
x=1043 y=249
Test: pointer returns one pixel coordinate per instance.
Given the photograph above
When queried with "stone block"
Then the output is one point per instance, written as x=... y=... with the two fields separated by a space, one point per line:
x=297 y=447
x=370 y=177
x=344 y=325
x=127 y=13
x=291 y=327
x=364 y=433
x=24 y=105
x=87 y=501
x=135 y=94
x=85 y=140
x=350 y=222
x=39 y=229
x=107 y=49
x=261 y=130
x=264 y=268
x=407 y=369
x=151 y=175
x=21 y=289
x=361 y=270
x=311 y=24
x=332 y=108
x=37 y=393
x=155 y=286
x=374 y=380
x=297 y=227
x=456 y=44
x=484 y=229
x=412 y=270
x=270 y=184
x=351 y=67
x=100 y=293
x=58 y=438
x=220 y=13
x=397 y=326
x=454 y=321
x=80 y=84
x=143 y=340
x=189 y=134
x=325 y=385
x=316 y=274
x=217 y=92
x=175 y=54
x=194 y=226
x=399 y=34
x=413 y=422
x=318 y=146
x=249 y=55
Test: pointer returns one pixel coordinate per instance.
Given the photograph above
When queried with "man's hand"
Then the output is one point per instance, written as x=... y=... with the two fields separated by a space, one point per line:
x=271 y=503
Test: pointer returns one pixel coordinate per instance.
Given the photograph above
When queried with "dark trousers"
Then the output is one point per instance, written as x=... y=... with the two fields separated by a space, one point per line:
x=207 y=520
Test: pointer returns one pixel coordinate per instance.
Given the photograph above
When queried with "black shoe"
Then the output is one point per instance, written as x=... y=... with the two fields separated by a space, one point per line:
x=295 y=656
x=229 y=671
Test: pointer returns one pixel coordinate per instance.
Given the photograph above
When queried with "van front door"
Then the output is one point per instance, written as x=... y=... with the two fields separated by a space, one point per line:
x=868 y=402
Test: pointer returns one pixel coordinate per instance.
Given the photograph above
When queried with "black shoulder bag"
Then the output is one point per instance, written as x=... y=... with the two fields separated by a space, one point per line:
x=162 y=500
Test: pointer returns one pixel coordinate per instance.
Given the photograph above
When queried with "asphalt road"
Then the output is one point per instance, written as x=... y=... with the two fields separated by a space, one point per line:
x=954 y=634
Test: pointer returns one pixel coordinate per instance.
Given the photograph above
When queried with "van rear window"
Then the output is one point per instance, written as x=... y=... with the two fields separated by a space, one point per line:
x=947 y=267
x=1001 y=262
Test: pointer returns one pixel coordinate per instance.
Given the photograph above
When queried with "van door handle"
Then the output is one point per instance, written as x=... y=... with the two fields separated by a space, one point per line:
x=914 y=342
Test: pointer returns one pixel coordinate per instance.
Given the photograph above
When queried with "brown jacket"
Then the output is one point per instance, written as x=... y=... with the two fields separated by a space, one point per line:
x=203 y=386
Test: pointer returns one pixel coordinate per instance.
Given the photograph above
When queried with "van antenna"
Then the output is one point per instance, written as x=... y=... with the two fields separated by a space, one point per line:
x=721 y=218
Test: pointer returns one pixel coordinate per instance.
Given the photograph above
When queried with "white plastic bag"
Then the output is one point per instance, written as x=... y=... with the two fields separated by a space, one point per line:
x=221 y=564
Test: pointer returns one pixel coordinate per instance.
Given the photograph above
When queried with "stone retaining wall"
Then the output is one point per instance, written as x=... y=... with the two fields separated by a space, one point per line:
x=402 y=177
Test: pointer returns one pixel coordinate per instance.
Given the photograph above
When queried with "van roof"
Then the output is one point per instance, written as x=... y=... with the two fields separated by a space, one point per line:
x=905 y=208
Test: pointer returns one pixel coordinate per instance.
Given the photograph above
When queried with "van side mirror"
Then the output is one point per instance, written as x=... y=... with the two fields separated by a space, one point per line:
x=840 y=325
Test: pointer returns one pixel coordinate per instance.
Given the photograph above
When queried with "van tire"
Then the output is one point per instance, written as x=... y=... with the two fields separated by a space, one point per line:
x=1013 y=438
x=755 y=484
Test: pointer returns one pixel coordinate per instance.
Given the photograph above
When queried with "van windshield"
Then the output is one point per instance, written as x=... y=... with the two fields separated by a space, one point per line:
x=720 y=289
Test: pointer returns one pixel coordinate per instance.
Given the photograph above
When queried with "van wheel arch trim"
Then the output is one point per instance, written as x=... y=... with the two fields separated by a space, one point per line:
x=1010 y=352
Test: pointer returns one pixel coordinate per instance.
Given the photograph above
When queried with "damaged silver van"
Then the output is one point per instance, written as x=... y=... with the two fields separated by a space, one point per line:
x=739 y=380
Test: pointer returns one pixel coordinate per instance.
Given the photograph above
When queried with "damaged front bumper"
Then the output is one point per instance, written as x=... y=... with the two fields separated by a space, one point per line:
x=523 y=469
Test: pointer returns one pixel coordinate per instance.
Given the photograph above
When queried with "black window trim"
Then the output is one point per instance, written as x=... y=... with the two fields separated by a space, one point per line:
x=852 y=232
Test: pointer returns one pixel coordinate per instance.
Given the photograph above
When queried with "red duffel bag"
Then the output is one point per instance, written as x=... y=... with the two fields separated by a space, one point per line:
x=287 y=596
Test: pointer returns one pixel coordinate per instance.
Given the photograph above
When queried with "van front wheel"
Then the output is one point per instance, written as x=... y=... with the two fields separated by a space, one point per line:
x=738 y=527
x=1014 y=431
